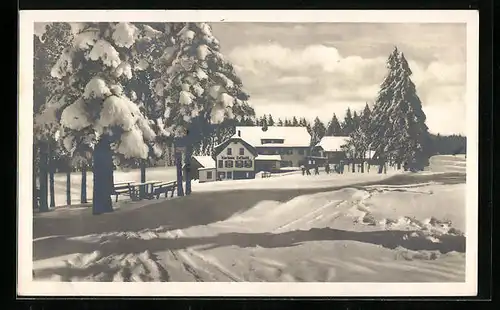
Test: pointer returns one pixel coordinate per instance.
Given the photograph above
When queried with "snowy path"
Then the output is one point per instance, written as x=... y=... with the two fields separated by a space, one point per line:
x=410 y=228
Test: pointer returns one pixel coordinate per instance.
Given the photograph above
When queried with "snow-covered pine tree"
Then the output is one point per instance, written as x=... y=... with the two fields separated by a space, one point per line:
x=295 y=122
x=411 y=118
x=380 y=125
x=334 y=128
x=400 y=128
x=280 y=122
x=358 y=141
x=100 y=114
x=318 y=131
x=48 y=93
x=200 y=97
x=348 y=123
x=287 y=122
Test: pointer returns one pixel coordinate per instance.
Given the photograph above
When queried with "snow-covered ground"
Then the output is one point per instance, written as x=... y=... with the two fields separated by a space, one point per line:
x=407 y=228
x=169 y=174
x=156 y=173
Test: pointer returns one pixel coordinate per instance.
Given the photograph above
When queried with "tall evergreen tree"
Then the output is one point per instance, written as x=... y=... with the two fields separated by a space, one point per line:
x=356 y=120
x=400 y=131
x=318 y=131
x=280 y=122
x=295 y=122
x=348 y=123
x=287 y=122
x=48 y=98
x=102 y=112
x=334 y=128
x=303 y=122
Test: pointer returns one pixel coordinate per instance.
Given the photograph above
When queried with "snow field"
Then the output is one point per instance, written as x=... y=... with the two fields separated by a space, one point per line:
x=378 y=233
x=169 y=174
x=449 y=163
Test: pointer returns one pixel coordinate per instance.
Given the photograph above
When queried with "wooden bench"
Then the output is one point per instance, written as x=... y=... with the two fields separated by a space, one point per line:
x=122 y=188
x=164 y=188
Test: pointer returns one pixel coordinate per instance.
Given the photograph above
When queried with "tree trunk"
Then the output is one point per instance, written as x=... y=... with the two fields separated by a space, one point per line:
x=43 y=178
x=178 y=164
x=363 y=161
x=83 y=189
x=399 y=165
x=142 y=192
x=51 y=179
x=353 y=166
x=385 y=168
x=68 y=186
x=103 y=177
x=187 y=160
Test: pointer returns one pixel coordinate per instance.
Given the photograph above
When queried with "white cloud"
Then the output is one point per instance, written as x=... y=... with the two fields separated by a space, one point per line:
x=325 y=58
x=317 y=80
x=294 y=80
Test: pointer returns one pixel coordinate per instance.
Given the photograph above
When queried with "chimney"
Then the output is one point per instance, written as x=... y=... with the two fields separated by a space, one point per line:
x=239 y=133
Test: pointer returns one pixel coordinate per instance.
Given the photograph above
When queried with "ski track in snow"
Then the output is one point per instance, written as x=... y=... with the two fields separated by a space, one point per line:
x=190 y=264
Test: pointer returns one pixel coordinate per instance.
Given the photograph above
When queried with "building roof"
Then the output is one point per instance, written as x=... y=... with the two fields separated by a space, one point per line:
x=268 y=157
x=292 y=136
x=223 y=145
x=332 y=144
x=205 y=161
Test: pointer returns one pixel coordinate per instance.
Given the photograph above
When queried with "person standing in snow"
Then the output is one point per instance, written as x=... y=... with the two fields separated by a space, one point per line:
x=327 y=168
x=316 y=170
x=341 y=167
x=303 y=169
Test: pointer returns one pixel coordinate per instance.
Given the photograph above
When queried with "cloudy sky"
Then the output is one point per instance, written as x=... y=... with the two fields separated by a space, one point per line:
x=322 y=68
x=317 y=69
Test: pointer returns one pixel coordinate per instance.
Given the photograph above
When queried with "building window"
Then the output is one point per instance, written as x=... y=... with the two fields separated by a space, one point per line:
x=248 y=163
x=229 y=175
x=221 y=164
x=242 y=151
x=238 y=164
x=301 y=151
x=289 y=151
x=209 y=175
x=229 y=151
x=272 y=141
x=228 y=164
x=286 y=163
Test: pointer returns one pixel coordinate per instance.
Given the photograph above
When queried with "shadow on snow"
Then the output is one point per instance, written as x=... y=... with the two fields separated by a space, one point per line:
x=198 y=208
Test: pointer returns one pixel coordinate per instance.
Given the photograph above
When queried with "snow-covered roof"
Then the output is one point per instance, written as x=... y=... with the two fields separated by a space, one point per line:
x=332 y=144
x=292 y=136
x=268 y=157
x=205 y=161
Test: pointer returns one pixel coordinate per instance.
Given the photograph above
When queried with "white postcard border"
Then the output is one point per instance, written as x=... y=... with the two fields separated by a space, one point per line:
x=28 y=287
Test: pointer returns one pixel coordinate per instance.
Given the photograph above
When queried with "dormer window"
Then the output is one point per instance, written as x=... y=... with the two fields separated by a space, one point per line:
x=229 y=151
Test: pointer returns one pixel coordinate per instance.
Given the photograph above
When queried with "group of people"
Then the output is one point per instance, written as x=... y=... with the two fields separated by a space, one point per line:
x=338 y=168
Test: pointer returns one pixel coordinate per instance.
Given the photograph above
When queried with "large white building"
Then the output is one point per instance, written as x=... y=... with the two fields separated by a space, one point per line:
x=277 y=146
x=252 y=150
